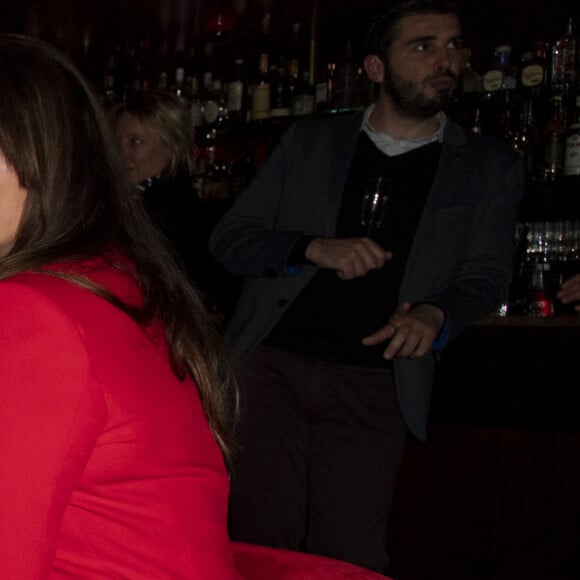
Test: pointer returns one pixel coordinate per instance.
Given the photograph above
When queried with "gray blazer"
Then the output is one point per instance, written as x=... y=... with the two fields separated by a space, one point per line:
x=461 y=257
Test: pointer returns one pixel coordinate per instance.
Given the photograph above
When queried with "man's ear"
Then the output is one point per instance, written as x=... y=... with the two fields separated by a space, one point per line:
x=374 y=68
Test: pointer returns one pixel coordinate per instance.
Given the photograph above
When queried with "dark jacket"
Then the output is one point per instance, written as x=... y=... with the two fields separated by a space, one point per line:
x=460 y=258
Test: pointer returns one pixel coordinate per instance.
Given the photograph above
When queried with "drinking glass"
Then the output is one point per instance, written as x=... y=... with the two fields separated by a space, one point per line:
x=374 y=203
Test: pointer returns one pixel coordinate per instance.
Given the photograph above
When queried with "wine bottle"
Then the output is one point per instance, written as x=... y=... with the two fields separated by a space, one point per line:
x=261 y=91
x=572 y=145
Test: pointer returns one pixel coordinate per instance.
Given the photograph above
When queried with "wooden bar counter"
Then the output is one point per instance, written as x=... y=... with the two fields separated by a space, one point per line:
x=495 y=492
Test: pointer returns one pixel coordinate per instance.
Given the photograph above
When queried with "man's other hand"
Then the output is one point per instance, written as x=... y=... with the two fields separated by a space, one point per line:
x=410 y=331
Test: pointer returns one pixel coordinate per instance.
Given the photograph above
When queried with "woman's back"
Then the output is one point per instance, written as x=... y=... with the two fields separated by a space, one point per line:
x=115 y=471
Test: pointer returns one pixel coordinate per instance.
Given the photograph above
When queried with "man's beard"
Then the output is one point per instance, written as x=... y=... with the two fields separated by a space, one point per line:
x=409 y=98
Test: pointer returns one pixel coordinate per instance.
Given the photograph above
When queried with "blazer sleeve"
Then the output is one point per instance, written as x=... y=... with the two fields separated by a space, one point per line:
x=246 y=240
x=481 y=281
x=51 y=410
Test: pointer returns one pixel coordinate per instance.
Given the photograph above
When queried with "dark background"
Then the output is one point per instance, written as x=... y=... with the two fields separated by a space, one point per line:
x=88 y=30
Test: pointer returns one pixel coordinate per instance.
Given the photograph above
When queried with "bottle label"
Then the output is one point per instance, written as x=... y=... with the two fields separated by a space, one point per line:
x=553 y=151
x=302 y=105
x=553 y=157
x=210 y=112
x=197 y=114
x=218 y=190
x=492 y=80
x=280 y=112
x=532 y=75
x=235 y=94
x=261 y=101
x=572 y=156
x=321 y=93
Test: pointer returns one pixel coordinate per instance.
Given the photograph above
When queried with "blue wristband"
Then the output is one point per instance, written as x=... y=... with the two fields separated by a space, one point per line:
x=291 y=270
x=441 y=341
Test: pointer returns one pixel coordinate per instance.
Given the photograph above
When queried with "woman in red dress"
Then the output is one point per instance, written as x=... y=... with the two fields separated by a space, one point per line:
x=113 y=392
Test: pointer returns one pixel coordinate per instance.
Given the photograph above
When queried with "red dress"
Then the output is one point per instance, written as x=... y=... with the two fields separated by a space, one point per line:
x=107 y=466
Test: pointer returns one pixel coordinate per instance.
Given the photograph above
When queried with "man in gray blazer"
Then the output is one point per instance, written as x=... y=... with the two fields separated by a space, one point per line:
x=336 y=326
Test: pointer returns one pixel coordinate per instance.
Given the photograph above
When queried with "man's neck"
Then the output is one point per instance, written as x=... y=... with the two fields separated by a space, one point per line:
x=385 y=118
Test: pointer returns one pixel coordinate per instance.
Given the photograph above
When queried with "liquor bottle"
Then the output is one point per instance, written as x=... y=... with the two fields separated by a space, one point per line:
x=563 y=66
x=302 y=100
x=324 y=89
x=572 y=145
x=492 y=78
x=539 y=303
x=178 y=88
x=498 y=83
x=211 y=88
x=110 y=97
x=526 y=139
x=134 y=81
x=219 y=22
x=509 y=73
x=345 y=94
x=553 y=142
x=466 y=109
x=222 y=121
x=209 y=112
x=261 y=91
x=218 y=180
x=280 y=96
x=236 y=94
x=293 y=80
x=471 y=82
x=533 y=73
x=476 y=125
x=161 y=68
x=194 y=99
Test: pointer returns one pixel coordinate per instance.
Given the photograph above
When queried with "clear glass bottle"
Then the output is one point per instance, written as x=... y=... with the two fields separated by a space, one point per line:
x=471 y=81
x=533 y=73
x=572 y=145
x=345 y=94
x=280 y=106
x=492 y=78
x=261 y=91
x=509 y=74
x=563 y=66
x=236 y=93
x=526 y=139
x=302 y=102
x=553 y=141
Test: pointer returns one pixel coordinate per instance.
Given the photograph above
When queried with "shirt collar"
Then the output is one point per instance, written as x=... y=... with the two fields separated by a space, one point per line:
x=391 y=146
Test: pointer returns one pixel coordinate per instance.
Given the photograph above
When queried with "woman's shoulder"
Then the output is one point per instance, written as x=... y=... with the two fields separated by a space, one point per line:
x=34 y=312
x=59 y=283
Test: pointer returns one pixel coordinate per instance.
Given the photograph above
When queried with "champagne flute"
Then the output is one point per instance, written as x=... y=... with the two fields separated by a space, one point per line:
x=374 y=204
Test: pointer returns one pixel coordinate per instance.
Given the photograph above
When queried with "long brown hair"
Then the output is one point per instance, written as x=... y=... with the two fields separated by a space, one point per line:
x=55 y=135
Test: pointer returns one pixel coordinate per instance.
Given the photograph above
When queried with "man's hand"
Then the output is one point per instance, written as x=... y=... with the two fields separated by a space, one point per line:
x=410 y=331
x=351 y=257
x=570 y=291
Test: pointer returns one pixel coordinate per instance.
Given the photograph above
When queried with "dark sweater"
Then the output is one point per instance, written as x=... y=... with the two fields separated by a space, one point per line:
x=331 y=316
x=184 y=220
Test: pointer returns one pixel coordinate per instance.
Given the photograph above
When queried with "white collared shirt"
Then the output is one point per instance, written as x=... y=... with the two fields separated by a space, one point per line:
x=391 y=146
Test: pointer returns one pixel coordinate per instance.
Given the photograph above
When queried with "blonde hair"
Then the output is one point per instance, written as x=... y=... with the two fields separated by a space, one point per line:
x=168 y=116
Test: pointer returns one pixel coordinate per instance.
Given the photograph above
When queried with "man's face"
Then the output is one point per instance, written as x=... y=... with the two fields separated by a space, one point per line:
x=423 y=64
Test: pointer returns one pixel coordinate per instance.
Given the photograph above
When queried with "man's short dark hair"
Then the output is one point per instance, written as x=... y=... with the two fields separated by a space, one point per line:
x=383 y=25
